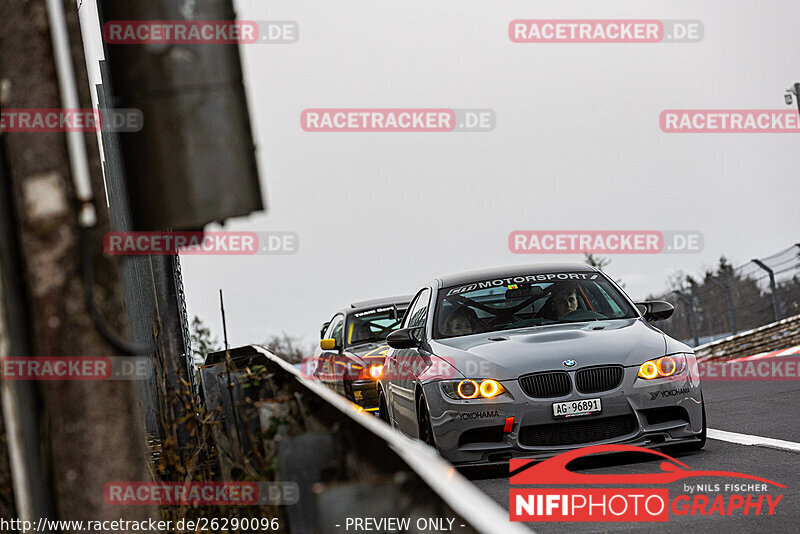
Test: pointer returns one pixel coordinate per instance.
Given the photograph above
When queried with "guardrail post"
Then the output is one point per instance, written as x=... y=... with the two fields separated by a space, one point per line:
x=728 y=302
x=773 y=289
x=688 y=301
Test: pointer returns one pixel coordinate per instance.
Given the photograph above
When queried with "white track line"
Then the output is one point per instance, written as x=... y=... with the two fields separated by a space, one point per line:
x=747 y=439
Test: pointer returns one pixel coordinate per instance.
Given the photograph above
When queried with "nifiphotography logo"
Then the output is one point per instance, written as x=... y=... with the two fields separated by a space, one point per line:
x=624 y=504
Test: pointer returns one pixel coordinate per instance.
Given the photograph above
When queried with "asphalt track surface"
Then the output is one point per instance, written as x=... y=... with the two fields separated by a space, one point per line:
x=764 y=409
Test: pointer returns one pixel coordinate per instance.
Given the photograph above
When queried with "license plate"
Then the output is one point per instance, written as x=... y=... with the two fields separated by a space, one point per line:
x=577 y=407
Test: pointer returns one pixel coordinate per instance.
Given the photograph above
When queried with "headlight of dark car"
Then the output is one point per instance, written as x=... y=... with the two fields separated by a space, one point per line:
x=664 y=367
x=472 y=389
x=370 y=372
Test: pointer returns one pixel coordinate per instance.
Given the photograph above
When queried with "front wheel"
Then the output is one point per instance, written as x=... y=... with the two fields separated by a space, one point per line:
x=424 y=421
x=383 y=411
x=347 y=386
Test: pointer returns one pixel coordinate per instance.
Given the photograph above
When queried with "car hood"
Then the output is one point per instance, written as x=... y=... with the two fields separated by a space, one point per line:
x=508 y=354
x=370 y=352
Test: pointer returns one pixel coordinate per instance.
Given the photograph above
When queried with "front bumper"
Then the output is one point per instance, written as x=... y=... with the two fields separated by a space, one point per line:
x=365 y=394
x=637 y=412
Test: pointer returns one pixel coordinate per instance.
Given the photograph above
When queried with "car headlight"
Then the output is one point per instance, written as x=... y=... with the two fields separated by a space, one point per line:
x=375 y=371
x=372 y=372
x=472 y=389
x=663 y=367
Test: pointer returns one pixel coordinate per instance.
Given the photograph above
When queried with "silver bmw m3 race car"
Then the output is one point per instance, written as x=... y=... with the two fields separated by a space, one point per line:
x=532 y=361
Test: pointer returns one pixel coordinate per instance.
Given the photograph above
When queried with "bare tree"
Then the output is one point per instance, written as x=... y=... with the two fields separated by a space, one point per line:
x=203 y=341
x=288 y=347
x=708 y=295
x=599 y=263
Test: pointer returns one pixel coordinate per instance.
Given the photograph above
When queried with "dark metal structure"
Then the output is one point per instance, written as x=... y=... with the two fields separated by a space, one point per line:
x=731 y=299
x=194 y=161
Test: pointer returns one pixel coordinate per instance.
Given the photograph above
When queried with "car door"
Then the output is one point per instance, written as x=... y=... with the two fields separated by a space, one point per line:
x=404 y=364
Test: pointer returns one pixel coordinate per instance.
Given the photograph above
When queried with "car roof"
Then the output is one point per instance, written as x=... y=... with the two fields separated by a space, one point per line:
x=386 y=301
x=512 y=270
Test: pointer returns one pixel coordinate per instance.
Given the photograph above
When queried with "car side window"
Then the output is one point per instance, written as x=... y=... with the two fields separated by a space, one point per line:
x=610 y=301
x=335 y=329
x=418 y=311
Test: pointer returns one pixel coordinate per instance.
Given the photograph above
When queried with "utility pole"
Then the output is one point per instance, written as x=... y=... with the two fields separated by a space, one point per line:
x=224 y=323
x=87 y=433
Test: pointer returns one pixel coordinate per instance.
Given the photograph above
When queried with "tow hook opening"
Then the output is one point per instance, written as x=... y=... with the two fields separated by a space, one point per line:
x=499 y=457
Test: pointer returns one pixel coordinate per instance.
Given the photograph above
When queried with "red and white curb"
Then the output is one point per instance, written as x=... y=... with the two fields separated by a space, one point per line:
x=770 y=354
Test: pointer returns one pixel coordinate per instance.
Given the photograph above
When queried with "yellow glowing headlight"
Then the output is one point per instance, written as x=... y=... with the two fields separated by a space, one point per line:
x=491 y=388
x=648 y=370
x=667 y=366
x=467 y=389
x=662 y=367
x=472 y=389
x=375 y=371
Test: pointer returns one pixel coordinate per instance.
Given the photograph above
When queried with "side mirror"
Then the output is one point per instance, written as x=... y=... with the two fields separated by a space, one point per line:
x=655 y=310
x=322 y=330
x=328 y=344
x=404 y=338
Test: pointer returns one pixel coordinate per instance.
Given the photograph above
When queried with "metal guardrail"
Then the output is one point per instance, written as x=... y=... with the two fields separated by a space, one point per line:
x=727 y=300
x=380 y=472
x=774 y=336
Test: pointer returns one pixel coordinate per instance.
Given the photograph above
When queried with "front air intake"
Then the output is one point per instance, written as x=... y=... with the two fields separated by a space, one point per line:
x=597 y=379
x=546 y=385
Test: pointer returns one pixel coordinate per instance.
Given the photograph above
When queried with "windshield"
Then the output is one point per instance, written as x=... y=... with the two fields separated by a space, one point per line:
x=373 y=325
x=528 y=300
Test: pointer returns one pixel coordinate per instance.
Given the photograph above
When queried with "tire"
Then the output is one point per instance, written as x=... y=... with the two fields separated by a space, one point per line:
x=347 y=385
x=383 y=411
x=424 y=422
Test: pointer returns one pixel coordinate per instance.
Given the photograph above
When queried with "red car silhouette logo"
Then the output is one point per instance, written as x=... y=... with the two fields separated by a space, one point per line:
x=554 y=470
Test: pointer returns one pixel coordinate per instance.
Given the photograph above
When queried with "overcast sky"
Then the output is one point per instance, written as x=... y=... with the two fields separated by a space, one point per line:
x=577 y=146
